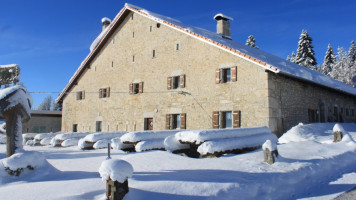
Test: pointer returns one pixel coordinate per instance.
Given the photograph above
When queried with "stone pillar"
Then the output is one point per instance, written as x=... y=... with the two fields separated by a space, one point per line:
x=13 y=118
x=116 y=190
x=270 y=152
x=337 y=136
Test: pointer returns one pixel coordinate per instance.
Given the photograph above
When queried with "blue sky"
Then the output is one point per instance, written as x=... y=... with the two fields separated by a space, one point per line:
x=50 y=38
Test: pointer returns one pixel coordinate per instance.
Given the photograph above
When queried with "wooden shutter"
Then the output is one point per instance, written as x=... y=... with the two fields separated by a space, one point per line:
x=83 y=94
x=169 y=83
x=131 y=88
x=215 y=119
x=236 y=117
x=100 y=93
x=78 y=94
x=183 y=121
x=140 y=87
x=233 y=74
x=182 y=81
x=217 y=76
x=145 y=125
x=108 y=92
x=168 y=121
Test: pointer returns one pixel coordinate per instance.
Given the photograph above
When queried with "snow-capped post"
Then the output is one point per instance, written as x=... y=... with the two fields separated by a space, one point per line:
x=270 y=152
x=116 y=173
x=338 y=132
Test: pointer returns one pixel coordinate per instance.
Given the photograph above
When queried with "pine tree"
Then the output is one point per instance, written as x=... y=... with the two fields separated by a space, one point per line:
x=251 y=42
x=352 y=53
x=339 y=71
x=305 y=52
x=46 y=104
x=329 y=61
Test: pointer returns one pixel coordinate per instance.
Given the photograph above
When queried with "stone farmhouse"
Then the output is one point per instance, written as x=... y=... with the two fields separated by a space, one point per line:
x=146 y=71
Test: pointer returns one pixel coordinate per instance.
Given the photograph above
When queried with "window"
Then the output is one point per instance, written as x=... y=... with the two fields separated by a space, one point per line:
x=176 y=121
x=175 y=82
x=104 y=92
x=136 y=88
x=158 y=25
x=226 y=119
x=80 y=95
x=224 y=75
x=148 y=124
x=75 y=128
x=177 y=47
x=312 y=115
x=133 y=58
x=112 y=64
x=98 y=126
x=133 y=34
x=150 y=28
x=153 y=53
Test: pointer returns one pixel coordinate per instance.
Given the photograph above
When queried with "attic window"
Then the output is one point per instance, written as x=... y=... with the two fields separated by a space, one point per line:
x=132 y=16
x=150 y=28
x=133 y=58
x=133 y=34
x=112 y=64
x=153 y=53
x=158 y=25
x=177 y=46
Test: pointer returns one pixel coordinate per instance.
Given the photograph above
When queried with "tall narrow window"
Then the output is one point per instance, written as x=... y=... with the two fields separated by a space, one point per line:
x=133 y=58
x=153 y=53
x=75 y=128
x=112 y=64
x=177 y=47
x=133 y=34
x=98 y=126
x=150 y=28
x=175 y=82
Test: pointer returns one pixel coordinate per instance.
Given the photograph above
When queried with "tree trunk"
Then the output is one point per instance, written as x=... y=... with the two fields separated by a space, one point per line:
x=13 y=130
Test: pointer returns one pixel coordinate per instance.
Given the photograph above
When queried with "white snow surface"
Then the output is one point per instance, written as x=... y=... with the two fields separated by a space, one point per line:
x=117 y=144
x=21 y=96
x=70 y=142
x=117 y=170
x=46 y=141
x=82 y=144
x=138 y=136
x=171 y=143
x=223 y=16
x=41 y=136
x=29 y=135
x=269 y=145
x=94 y=137
x=338 y=128
x=310 y=169
x=98 y=39
x=23 y=159
x=199 y=136
x=102 y=144
x=227 y=144
x=9 y=66
x=2 y=139
x=149 y=145
x=278 y=65
x=306 y=132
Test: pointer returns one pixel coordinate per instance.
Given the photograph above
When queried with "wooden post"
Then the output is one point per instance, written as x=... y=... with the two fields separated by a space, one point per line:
x=109 y=147
x=13 y=118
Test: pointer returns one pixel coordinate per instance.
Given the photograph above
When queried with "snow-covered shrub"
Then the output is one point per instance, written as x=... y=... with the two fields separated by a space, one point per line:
x=29 y=143
x=28 y=136
x=230 y=144
x=70 y=142
x=101 y=144
x=154 y=144
x=134 y=137
x=117 y=170
x=94 y=137
x=46 y=141
x=199 y=136
x=171 y=143
x=64 y=136
x=82 y=144
x=117 y=144
x=18 y=162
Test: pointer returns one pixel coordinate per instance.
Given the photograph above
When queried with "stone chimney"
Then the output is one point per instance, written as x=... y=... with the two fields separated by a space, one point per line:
x=106 y=22
x=223 y=25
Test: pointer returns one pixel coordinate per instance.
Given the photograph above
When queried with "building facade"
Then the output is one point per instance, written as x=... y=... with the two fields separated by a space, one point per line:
x=43 y=121
x=150 y=73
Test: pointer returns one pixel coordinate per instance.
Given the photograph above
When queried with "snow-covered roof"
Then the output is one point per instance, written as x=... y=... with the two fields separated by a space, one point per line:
x=263 y=59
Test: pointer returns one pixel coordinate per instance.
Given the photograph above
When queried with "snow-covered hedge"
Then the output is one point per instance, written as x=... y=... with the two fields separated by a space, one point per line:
x=229 y=144
x=101 y=144
x=28 y=136
x=117 y=144
x=137 y=136
x=46 y=141
x=171 y=143
x=149 y=145
x=200 y=136
x=41 y=136
x=70 y=142
x=65 y=136
x=94 y=137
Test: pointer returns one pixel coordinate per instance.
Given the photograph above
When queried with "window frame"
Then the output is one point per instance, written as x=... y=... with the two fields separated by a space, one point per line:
x=75 y=128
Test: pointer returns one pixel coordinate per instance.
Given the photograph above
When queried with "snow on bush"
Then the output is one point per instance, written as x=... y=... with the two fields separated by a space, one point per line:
x=101 y=144
x=269 y=145
x=2 y=127
x=199 y=136
x=345 y=134
x=64 y=136
x=46 y=141
x=2 y=139
x=133 y=137
x=41 y=136
x=22 y=160
x=29 y=143
x=94 y=137
x=82 y=144
x=28 y=136
x=149 y=145
x=228 y=144
x=171 y=143
x=70 y=142
x=117 y=144
x=117 y=170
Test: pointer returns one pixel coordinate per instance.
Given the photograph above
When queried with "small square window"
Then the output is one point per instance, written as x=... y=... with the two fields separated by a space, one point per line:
x=80 y=95
x=135 y=88
x=104 y=92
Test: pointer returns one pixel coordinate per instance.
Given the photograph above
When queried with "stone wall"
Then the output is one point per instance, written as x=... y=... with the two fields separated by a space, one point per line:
x=291 y=102
x=128 y=58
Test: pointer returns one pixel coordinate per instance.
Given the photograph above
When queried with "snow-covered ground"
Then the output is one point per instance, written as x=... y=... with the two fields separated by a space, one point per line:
x=310 y=166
